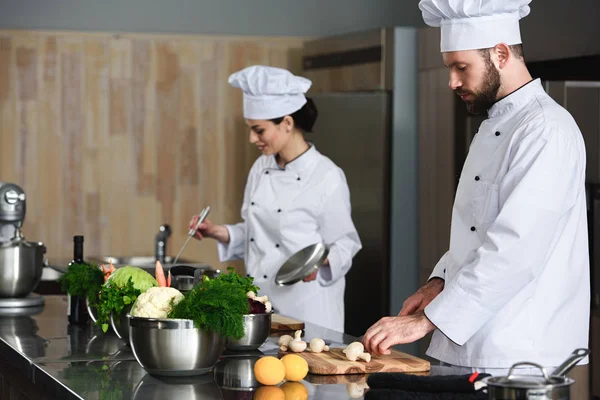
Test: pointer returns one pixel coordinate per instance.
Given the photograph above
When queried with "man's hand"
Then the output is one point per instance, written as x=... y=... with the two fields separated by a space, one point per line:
x=390 y=331
x=418 y=301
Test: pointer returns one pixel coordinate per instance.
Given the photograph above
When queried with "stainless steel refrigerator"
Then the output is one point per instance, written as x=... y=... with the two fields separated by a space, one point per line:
x=364 y=87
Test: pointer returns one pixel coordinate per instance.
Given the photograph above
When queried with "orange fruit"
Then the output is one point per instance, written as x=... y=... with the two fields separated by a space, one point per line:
x=269 y=370
x=296 y=367
x=294 y=391
x=269 y=393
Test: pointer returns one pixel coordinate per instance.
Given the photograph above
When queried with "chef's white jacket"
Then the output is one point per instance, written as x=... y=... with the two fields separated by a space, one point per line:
x=285 y=210
x=517 y=285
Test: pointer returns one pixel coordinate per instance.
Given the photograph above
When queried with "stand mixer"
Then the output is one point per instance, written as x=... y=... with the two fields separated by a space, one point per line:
x=21 y=262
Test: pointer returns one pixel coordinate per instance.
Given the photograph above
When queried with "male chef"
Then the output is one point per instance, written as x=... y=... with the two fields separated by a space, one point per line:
x=514 y=284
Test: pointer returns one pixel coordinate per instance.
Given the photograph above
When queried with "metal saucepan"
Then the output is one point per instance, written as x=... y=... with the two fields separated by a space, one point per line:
x=185 y=277
x=538 y=387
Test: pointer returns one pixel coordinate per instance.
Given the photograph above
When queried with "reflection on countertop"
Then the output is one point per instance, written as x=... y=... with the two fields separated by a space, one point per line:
x=73 y=362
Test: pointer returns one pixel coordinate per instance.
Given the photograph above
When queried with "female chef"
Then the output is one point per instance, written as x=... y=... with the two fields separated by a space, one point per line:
x=294 y=197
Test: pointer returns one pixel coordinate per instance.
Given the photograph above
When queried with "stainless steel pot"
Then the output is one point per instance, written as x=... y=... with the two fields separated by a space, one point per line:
x=21 y=266
x=535 y=387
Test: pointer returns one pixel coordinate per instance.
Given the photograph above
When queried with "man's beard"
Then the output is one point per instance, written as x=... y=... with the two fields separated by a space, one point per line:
x=487 y=96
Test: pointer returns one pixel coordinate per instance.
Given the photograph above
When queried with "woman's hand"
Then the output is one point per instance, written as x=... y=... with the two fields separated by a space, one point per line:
x=313 y=276
x=209 y=230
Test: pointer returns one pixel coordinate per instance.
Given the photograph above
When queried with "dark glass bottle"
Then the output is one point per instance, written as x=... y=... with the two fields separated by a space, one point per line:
x=77 y=307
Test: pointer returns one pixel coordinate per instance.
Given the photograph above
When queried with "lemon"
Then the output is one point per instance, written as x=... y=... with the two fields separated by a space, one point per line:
x=269 y=370
x=296 y=367
x=294 y=391
x=269 y=393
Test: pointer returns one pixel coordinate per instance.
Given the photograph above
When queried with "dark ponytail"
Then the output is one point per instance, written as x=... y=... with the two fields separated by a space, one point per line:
x=304 y=118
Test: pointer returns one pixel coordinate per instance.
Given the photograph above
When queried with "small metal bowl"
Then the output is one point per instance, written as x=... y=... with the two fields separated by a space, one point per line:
x=257 y=328
x=92 y=311
x=173 y=347
x=120 y=323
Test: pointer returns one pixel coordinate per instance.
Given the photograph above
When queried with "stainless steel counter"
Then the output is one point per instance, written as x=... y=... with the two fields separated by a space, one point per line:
x=71 y=362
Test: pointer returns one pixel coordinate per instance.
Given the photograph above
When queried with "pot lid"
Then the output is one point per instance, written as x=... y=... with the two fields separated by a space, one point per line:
x=302 y=264
x=529 y=381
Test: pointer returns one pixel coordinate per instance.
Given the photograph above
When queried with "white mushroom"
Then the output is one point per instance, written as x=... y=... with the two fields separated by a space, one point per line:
x=356 y=390
x=251 y=295
x=284 y=342
x=355 y=351
x=297 y=345
x=317 y=345
x=268 y=307
x=262 y=299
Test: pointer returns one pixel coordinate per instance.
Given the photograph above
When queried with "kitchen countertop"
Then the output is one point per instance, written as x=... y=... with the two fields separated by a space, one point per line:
x=72 y=362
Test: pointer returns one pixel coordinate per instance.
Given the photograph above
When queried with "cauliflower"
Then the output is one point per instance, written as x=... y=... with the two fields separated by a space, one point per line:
x=156 y=302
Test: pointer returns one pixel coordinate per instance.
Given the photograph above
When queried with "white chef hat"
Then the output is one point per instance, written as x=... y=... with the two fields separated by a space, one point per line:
x=475 y=24
x=270 y=92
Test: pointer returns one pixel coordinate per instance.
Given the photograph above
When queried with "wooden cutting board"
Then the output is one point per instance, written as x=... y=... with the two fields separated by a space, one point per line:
x=279 y=323
x=334 y=362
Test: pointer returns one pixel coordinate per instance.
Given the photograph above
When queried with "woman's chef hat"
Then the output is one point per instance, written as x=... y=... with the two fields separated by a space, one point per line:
x=270 y=92
x=475 y=24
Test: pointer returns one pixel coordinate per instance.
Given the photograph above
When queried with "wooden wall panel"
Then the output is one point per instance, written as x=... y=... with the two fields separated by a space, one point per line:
x=113 y=135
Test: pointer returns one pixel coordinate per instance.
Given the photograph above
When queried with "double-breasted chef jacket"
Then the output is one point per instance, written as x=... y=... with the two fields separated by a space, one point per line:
x=517 y=283
x=284 y=210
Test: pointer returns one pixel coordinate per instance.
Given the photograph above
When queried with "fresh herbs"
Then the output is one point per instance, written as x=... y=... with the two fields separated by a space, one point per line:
x=83 y=280
x=114 y=299
x=217 y=304
x=246 y=283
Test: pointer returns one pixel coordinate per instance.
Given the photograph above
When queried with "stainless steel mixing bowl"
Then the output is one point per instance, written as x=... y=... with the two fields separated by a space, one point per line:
x=256 y=330
x=120 y=323
x=174 y=347
x=21 y=266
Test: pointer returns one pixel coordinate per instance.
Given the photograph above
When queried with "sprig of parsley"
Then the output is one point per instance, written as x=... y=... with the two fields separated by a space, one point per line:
x=217 y=304
x=83 y=280
x=114 y=299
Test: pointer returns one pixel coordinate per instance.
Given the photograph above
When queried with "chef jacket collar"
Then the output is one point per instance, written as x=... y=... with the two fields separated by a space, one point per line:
x=516 y=99
x=300 y=163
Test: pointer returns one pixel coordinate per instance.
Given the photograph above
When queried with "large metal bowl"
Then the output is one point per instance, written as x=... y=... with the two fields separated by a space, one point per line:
x=257 y=328
x=120 y=323
x=21 y=266
x=174 y=347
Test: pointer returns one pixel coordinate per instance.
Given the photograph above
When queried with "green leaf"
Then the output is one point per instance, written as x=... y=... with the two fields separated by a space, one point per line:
x=105 y=328
x=126 y=300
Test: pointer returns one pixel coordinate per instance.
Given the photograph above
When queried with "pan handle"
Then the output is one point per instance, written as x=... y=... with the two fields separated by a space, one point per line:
x=529 y=364
x=576 y=356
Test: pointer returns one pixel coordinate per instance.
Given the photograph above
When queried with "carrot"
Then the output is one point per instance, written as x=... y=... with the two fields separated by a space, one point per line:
x=160 y=275
x=105 y=272
x=112 y=269
x=169 y=279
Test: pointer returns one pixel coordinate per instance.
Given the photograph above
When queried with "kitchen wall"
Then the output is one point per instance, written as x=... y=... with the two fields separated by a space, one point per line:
x=112 y=135
x=232 y=17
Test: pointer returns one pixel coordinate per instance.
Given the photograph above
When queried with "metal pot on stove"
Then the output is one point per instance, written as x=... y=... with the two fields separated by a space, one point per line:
x=535 y=387
x=185 y=277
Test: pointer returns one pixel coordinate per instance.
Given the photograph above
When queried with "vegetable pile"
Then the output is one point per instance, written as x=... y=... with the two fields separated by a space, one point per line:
x=218 y=304
x=121 y=289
